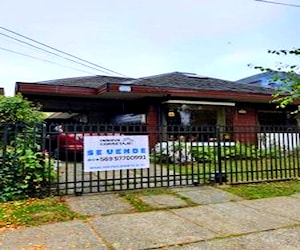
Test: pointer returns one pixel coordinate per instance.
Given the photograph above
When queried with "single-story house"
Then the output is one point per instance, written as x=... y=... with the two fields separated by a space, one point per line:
x=175 y=98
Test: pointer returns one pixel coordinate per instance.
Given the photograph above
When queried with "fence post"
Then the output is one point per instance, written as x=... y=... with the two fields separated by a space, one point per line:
x=219 y=156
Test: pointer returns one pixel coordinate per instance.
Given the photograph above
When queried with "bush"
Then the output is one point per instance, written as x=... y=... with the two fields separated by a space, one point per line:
x=16 y=110
x=238 y=151
x=172 y=152
x=25 y=171
x=176 y=152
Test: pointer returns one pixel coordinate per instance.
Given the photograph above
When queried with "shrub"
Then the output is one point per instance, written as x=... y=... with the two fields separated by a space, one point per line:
x=25 y=171
x=177 y=152
x=172 y=152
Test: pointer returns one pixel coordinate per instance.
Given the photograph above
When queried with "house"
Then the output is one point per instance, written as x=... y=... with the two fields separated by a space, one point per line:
x=266 y=79
x=1 y=91
x=176 y=98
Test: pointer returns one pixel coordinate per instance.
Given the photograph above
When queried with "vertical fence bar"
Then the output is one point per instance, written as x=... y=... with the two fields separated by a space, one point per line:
x=219 y=156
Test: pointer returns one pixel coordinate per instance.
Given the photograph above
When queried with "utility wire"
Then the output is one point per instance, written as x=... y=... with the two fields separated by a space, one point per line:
x=62 y=52
x=36 y=47
x=279 y=3
x=41 y=59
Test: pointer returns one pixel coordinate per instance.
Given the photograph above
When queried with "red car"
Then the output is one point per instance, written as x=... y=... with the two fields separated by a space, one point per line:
x=69 y=145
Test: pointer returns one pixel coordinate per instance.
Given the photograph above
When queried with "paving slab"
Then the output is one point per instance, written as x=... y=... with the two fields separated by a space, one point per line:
x=233 y=218
x=284 y=206
x=163 y=201
x=271 y=240
x=100 y=204
x=297 y=195
x=148 y=230
x=208 y=195
x=66 y=235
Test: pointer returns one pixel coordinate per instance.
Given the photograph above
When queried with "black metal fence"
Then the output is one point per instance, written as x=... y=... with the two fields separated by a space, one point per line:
x=178 y=156
x=182 y=156
x=25 y=169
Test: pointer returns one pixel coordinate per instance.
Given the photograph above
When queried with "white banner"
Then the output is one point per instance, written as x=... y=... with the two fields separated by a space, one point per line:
x=103 y=153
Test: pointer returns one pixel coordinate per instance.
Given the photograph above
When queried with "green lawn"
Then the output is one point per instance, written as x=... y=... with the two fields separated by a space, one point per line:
x=241 y=170
x=264 y=190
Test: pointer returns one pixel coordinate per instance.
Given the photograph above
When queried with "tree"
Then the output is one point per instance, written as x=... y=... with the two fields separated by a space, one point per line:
x=19 y=110
x=288 y=91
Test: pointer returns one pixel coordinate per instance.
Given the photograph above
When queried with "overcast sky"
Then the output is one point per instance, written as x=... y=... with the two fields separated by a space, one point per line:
x=215 y=38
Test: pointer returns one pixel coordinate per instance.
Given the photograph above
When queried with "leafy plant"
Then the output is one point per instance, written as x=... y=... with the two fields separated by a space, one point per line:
x=204 y=154
x=24 y=169
x=242 y=151
x=287 y=77
x=16 y=109
x=212 y=153
x=172 y=152
x=24 y=172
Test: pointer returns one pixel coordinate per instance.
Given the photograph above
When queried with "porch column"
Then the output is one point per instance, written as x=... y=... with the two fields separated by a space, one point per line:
x=152 y=121
x=221 y=116
x=244 y=123
x=221 y=121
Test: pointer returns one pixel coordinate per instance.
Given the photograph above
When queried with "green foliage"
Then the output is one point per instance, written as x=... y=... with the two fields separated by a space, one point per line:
x=289 y=90
x=242 y=151
x=238 y=151
x=17 y=109
x=25 y=172
x=204 y=154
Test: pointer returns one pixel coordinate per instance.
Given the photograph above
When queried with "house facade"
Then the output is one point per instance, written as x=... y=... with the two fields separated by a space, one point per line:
x=177 y=98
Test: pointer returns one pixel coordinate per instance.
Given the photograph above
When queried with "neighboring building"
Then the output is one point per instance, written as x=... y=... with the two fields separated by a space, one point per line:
x=172 y=98
x=266 y=79
x=1 y=91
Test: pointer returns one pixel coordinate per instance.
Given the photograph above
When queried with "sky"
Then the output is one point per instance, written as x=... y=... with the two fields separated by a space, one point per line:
x=137 y=38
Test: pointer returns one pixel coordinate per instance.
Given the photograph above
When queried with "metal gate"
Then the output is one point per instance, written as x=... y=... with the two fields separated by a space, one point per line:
x=179 y=156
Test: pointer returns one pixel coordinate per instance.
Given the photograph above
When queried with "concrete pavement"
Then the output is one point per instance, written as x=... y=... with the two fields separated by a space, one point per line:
x=216 y=220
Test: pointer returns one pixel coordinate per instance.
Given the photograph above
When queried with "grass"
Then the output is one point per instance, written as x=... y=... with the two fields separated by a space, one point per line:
x=241 y=170
x=35 y=212
x=264 y=190
x=134 y=197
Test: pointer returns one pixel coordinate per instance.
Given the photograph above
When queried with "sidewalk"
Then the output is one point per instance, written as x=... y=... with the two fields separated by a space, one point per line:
x=219 y=221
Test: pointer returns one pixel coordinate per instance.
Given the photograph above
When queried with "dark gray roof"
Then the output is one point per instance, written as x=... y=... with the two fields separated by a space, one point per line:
x=85 y=81
x=178 y=80
x=182 y=80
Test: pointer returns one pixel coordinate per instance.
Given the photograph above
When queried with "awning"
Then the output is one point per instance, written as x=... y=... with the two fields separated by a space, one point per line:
x=59 y=115
x=200 y=103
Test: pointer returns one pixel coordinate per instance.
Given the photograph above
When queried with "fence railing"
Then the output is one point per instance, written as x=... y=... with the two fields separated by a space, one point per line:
x=232 y=154
x=178 y=155
x=24 y=168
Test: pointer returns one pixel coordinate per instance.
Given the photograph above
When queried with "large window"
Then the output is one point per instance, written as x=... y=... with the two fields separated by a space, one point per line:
x=192 y=117
x=268 y=118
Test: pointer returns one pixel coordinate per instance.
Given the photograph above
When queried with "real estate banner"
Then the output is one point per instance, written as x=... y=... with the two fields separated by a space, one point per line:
x=103 y=153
